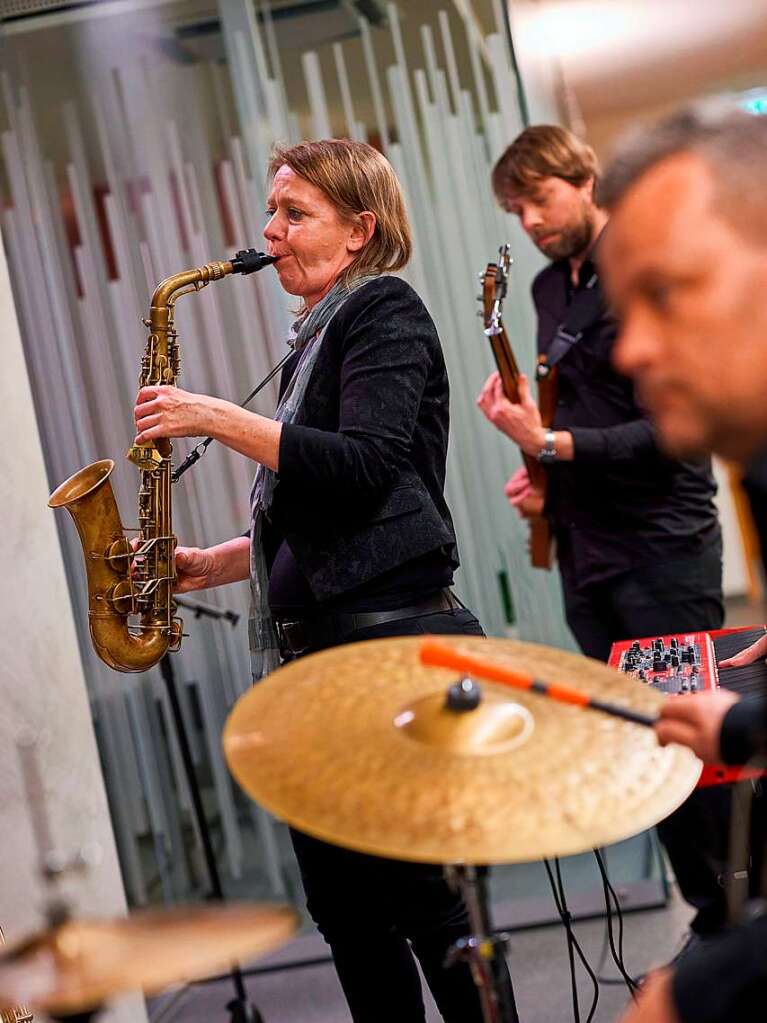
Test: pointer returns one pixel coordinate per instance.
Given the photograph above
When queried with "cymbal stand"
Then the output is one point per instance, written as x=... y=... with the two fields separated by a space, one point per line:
x=55 y=863
x=240 y=1008
x=483 y=950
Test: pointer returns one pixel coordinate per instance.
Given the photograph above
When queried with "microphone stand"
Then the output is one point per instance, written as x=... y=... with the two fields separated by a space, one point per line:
x=240 y=1008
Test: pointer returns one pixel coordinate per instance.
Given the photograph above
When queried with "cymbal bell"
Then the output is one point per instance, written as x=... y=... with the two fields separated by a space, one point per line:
x=83 y=963
x=355 y=745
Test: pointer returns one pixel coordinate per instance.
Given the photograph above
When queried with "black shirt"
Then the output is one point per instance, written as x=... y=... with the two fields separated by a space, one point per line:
x=620 y=501
x=291 y=596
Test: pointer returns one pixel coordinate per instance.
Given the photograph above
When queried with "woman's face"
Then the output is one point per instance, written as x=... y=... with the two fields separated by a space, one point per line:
x=311 y=241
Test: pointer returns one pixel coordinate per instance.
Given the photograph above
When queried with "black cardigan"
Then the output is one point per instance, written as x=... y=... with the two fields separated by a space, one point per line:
x=362 y=470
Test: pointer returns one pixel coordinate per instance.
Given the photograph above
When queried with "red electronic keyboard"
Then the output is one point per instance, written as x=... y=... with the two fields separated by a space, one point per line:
x=688 y=663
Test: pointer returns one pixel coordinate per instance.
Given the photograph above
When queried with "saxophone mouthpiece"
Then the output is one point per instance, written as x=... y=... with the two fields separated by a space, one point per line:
x=248 y=261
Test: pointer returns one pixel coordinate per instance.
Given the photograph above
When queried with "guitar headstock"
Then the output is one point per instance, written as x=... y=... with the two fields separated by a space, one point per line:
x=495 y=283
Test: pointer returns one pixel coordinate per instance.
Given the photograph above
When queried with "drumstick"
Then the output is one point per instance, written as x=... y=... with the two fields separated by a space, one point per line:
x=439 y=655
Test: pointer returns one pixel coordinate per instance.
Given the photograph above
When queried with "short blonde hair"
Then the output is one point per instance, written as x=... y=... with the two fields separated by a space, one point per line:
x=357 y=179
x=543 y=151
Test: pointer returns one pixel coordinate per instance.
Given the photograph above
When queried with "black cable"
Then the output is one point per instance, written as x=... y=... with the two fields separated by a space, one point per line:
x=576 y=945
x=570 y=938
x=560 y=902
x=610 y=899
x=199 y=449
x=602 y=962
x=608 y=888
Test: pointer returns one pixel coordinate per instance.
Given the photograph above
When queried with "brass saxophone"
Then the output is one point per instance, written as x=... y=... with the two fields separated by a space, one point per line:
x=127 y=581
x=18 y=1013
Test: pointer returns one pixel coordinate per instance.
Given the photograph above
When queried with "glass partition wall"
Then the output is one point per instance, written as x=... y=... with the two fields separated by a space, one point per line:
x=135 y=138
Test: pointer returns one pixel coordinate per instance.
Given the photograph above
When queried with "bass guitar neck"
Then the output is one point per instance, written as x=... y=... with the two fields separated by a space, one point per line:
x=541 y=541
x=494 y=287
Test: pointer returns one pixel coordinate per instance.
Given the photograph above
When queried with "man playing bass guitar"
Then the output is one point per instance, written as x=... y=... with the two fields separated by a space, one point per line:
x=637 y=535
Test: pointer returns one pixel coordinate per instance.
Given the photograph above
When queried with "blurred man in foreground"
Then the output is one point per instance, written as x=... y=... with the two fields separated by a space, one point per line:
x=685 y=265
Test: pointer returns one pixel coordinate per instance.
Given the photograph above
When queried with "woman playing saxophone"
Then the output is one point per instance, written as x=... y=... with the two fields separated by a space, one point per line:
x=350 y=536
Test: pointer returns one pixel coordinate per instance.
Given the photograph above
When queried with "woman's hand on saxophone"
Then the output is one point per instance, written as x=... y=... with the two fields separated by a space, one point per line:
x=195 y=569
x=165 y=411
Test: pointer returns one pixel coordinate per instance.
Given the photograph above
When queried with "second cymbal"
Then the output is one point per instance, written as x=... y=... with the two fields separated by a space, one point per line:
x=83 y=963
x=354 y=745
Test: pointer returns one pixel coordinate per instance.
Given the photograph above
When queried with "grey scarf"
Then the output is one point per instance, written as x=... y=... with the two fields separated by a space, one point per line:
x=306 y=338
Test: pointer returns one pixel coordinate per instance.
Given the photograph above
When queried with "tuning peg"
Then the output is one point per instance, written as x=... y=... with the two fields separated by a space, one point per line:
x=480 y=314
x=480 y=297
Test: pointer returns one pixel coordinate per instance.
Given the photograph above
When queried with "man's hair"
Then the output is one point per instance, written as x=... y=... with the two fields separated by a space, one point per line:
x=356 y=178
x=543 y=151
x=733 y=145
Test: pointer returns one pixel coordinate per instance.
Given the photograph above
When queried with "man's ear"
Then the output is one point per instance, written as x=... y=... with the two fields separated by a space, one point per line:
x=594 y=193
x=362 y=231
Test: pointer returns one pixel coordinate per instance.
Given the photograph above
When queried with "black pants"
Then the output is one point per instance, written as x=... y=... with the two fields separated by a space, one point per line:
x=683 y=595
x=659 y=598
x=375 y=913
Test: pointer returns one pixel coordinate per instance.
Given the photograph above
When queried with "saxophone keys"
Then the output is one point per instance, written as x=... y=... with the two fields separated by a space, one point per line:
x=144 y=456
x=121 y=597
x=119 y=555
x=176 y=634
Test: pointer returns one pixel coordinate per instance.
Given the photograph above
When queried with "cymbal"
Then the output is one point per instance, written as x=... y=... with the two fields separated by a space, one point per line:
x=82 y=963
x=354 y=745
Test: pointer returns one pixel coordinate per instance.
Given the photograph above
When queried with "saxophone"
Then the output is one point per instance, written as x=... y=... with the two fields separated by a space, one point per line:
x=131 y=611
x=18 y=1013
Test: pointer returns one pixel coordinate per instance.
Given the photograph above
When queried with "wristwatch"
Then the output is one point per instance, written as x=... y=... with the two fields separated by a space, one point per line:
x=548 y=452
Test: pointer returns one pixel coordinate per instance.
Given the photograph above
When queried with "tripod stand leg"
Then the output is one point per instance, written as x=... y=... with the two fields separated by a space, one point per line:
x=240 y=1008
x=242 y=1011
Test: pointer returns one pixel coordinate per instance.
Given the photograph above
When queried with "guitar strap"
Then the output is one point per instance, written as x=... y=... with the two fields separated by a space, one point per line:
x=586 y=308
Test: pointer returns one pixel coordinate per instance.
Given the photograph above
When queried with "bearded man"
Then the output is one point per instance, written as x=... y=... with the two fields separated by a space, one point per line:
x=638 y=538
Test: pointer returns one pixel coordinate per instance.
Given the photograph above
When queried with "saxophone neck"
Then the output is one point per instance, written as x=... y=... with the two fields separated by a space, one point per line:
x=245 y=262
x=172 y=288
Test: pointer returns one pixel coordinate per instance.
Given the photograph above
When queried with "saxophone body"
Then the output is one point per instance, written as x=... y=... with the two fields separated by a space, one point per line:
x=131 y=611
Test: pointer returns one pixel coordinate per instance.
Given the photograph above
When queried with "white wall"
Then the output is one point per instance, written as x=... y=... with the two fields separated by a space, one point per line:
x=735 y=578
x=42 y=688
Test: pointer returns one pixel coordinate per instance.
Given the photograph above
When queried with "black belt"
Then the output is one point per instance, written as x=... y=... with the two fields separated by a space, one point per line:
x=296 y=637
